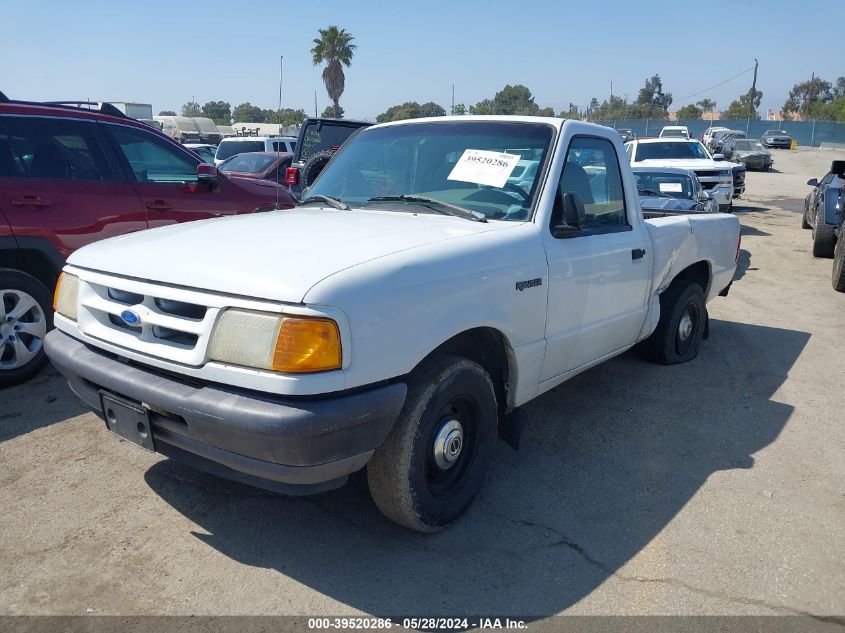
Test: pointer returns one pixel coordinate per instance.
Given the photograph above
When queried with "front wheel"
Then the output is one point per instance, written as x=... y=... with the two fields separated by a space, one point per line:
x=824 y=238
x=25 y=318
x=433 y=462
x=679 y=331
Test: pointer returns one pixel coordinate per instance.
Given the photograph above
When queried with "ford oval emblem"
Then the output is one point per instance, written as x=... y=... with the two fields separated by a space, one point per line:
x=130 y=318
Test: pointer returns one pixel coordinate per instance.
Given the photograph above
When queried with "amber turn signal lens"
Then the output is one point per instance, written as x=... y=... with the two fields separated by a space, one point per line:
x=307 y=345
x=56 y=291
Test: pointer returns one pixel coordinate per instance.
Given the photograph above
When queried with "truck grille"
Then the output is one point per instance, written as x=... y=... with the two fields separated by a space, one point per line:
x=706 y=173
x=166 y=327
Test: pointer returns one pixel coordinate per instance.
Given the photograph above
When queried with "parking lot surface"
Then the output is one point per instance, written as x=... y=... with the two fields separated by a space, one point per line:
x=715 y=487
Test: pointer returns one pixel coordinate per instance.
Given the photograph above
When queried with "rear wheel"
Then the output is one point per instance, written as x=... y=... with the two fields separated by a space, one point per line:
x=680 y=329
x=838 y=277
x=823 y=237
x=25 y=318
x=433 y=463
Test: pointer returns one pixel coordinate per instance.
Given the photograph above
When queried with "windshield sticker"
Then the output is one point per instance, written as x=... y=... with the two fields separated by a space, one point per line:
x=674 y=187
x=483 y=167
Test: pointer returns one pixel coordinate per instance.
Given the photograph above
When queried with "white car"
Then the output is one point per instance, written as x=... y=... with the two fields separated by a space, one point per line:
x=674 y=131
x=232 y=145
x=709 y=133
x=396 y=320
x=715 y=174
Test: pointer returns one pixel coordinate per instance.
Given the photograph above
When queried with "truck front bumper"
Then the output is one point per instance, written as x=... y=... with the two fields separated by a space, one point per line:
x=289 y=445
x=722 y=194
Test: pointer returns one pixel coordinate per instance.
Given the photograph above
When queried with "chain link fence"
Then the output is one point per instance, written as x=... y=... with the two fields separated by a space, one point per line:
x=807 y=133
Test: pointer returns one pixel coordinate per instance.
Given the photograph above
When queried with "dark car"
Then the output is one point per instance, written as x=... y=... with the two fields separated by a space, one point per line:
x=776 y=138
x=749 y=152
x=626 y=134
x=261 y=165
x=670 y=191
x=721 y=138
x=823 y=209
x=319 y=138
x=71 y=175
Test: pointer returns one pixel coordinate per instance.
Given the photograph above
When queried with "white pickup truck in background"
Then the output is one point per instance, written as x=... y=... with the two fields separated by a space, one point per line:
x=438 y=275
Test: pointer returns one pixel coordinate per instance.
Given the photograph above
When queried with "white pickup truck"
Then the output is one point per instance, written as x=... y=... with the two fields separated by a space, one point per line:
x=438 y=275
x=715 y=174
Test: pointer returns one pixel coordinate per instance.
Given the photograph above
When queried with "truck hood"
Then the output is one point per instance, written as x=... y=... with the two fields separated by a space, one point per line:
x=276 y=256
x=684 y=163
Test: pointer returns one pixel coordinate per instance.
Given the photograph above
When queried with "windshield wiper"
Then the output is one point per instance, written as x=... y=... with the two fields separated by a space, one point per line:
x=436 y=205
x=335 y=203
x=652 y=192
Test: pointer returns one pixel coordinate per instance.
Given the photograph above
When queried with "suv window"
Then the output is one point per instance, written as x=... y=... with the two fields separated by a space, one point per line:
x=284 y=146
x=319 y=136
x=58 y=149
x=227 y=149
x=591 y=171
x=152 y=159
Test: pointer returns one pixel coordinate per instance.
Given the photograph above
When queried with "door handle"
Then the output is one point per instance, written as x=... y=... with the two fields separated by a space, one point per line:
x=638 y=253
x=31 y=201
x=159 y=205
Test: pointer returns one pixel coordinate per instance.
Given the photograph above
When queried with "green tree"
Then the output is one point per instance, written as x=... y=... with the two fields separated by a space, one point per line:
x=167 y=113
x=219 y=111
x=689 y=112
x=333 y=112
x=745 y=107
x=482 y=107
x=707 y=105
x=460 y=109
x=248 y=113
x=652 y=99
x=410 y=110
x=516 y=100
x=808 y=97
x=335 y=48
x=571 y=113
x=192 y=108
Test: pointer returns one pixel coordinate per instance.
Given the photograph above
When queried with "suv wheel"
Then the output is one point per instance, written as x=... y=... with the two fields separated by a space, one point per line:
x=25 y=317
x=314 y=166
x=838 y=277
x=824 y=238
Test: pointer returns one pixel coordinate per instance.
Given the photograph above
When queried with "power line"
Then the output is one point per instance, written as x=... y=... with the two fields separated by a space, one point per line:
x=721 y=83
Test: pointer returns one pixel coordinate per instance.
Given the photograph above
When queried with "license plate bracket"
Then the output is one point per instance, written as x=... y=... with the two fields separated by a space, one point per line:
x=127 y=419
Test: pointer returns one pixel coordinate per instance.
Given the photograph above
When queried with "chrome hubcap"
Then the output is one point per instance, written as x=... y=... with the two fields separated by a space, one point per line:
x=685 y=326
x=22 y=328
x=448 y=444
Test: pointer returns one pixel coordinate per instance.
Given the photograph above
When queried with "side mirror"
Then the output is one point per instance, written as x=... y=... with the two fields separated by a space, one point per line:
x=209 y=174
x=813 y=182
x=705 y=195
x=573 y=216
x=718 y=157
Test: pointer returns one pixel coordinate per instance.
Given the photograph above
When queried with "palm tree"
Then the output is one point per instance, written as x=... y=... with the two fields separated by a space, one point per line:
x=334 y=46
x=708 y=105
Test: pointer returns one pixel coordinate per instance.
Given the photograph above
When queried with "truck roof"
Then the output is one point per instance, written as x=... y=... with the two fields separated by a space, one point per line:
x=505 y=118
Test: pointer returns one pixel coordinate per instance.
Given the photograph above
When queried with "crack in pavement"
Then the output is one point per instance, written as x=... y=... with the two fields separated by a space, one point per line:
x=565 y=541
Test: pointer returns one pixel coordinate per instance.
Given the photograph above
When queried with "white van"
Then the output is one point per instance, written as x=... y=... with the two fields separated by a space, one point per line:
x=239 y=144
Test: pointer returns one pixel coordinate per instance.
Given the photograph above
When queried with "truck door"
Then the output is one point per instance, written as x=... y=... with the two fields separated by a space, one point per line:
x=599 y=274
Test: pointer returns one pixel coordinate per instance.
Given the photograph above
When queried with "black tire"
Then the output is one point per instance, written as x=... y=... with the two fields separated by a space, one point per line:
x=25 y=330
x=671 y=343
x=838 y=277
x=314 y=166
x=824 y=238
x=405 y=480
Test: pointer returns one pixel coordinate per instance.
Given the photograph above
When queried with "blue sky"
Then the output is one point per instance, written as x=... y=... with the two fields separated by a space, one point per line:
x=165 y=53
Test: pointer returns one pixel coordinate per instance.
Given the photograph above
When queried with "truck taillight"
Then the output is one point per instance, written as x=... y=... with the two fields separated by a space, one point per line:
x=291 y=176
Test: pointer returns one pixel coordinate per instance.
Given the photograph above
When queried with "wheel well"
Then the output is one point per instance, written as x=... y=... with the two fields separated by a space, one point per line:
x=32 y=262
x=698 y=272
x=489 y=348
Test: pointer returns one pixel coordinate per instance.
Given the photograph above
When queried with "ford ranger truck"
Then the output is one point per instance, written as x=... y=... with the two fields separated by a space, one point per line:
x=438 y=275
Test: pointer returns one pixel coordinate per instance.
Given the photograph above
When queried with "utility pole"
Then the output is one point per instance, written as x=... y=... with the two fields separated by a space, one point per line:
x=453 y=99
x=751 y=96
x=315 y=104
x=611 y=91
x=281 y=77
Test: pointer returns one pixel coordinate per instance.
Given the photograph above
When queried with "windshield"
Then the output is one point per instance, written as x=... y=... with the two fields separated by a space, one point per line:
x=230 y=148
x=492 y=167
x=248 y=163
x=674 y=132
x=665 y=185
x=650 y=151
x=749 y=146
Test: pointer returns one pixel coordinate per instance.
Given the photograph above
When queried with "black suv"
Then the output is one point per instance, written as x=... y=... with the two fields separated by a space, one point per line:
x=824 y=213
x=319 y=139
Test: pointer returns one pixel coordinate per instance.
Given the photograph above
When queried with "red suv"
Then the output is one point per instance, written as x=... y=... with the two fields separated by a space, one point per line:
x=70 y=175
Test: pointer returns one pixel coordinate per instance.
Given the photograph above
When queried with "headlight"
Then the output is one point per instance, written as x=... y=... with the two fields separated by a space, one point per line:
x=64 y=299
x=276 y=342
x=725 y=176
